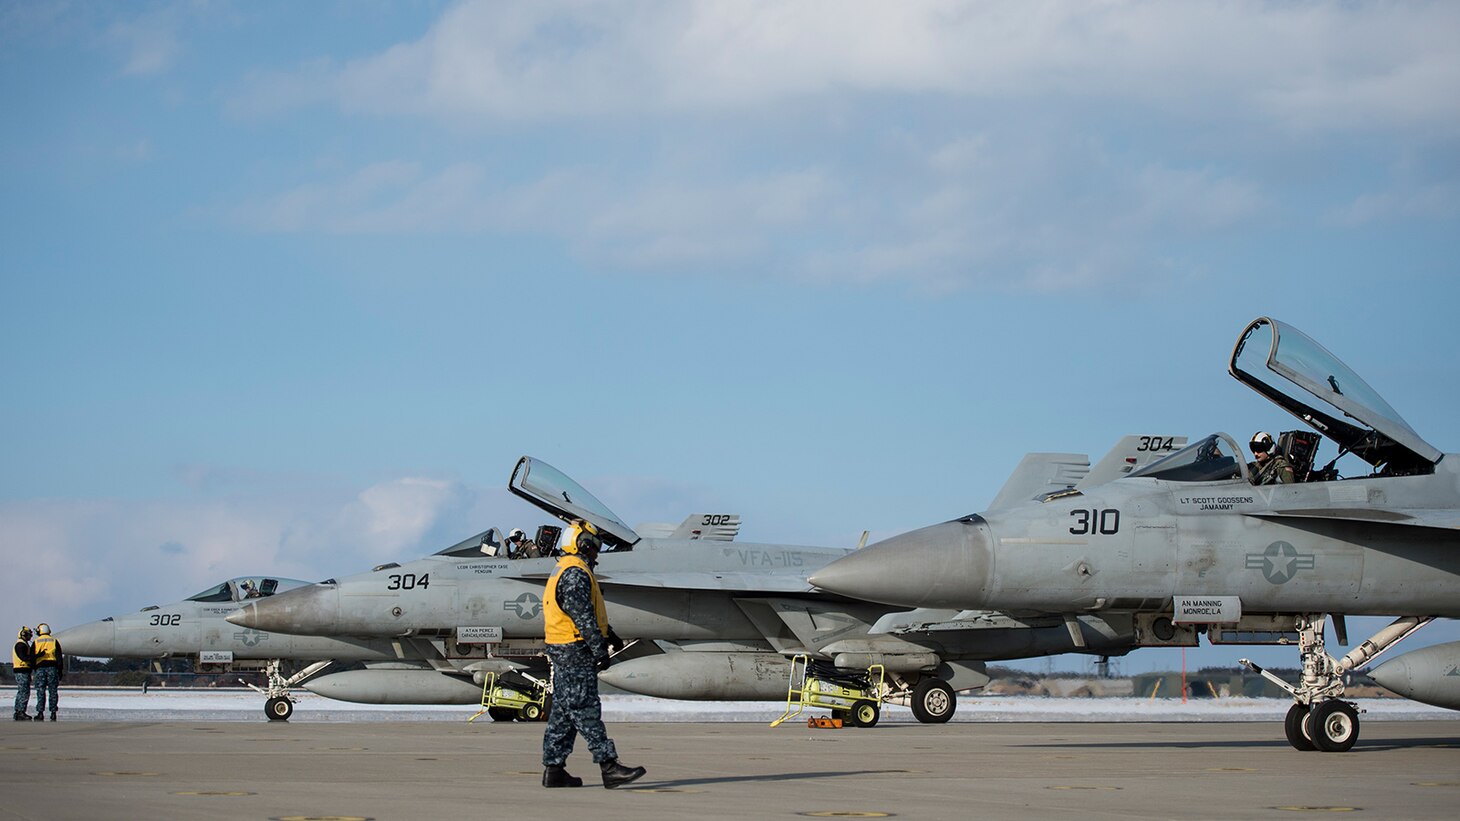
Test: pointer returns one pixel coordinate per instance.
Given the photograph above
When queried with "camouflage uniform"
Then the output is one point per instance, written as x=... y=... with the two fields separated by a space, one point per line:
x=576 y=707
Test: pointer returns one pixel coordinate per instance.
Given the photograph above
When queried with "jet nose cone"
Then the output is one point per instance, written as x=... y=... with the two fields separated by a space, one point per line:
x=97 y=639
x=307 y=611
x=946 y=565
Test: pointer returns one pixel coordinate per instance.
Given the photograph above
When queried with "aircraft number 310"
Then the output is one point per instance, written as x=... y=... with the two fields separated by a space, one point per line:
x=1103 y=522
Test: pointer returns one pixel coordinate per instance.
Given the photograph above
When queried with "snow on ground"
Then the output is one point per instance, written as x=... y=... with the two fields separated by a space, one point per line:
x=162 y=704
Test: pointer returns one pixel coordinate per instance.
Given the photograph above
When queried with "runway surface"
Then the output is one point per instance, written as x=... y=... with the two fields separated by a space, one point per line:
x=80 y=769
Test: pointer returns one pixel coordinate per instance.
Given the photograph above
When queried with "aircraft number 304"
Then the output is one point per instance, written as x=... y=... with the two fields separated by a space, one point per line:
x=409 y=581
x=1151 y=444
x=1103 y=522
x=166 y=619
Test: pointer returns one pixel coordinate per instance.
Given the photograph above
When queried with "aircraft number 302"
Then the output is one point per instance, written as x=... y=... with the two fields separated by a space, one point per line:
x=1103 y=522
x=1151 y=444
x=710 y=520
x=409 y=581
x=166 y=619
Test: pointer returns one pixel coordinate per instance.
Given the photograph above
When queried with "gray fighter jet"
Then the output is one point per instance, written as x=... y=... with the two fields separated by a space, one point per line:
x=195 y=628
x=726 y=618
x=1190 y=544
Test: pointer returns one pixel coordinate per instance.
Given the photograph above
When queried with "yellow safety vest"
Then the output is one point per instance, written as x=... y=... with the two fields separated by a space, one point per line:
x=46 y=650
x=558 y=626
x=16 y=661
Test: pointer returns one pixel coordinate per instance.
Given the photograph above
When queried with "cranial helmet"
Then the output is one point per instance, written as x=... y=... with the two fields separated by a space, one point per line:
x=1261 y=442
x=581 y=535
x=43 y=629
x=24 y=633
x=516 y=534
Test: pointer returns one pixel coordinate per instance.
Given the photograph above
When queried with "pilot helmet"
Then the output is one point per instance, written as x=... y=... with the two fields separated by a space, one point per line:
x=24 y=634
x=43 y=629
x=516 y=534
x=1261 y=442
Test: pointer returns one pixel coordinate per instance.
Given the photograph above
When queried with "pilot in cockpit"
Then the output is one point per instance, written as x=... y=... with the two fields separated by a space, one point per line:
x=249 y=591
x=1270 y=466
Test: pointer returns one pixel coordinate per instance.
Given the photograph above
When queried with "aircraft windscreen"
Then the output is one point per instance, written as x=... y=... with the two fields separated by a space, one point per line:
x=1212 y=459
x=472 y=547
x=547 y=481
x=216 y=593
x=246 y=587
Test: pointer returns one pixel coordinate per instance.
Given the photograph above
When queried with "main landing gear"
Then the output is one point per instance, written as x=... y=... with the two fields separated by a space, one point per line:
x=280 y=705
x=1320 y=719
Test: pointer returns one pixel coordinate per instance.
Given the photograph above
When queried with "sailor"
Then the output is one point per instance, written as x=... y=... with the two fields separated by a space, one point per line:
x=1270 y=467
x=578 y=643
x=47 y=671
x=22 y=659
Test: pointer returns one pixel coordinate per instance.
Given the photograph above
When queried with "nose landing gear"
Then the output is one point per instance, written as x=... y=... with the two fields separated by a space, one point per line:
x=1320 y=719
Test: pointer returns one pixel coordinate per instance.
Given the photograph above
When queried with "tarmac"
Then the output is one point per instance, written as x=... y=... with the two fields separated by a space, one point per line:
x=425 y=770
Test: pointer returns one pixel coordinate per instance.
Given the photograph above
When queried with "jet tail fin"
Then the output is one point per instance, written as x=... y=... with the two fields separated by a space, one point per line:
x=1040 y=473
x=1131 y=452
x=712 y=527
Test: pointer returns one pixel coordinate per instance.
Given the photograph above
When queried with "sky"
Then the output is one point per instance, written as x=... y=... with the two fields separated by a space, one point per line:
x=288 y=288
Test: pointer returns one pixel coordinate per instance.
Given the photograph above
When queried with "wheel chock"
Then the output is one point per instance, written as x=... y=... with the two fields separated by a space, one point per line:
x=823 y=723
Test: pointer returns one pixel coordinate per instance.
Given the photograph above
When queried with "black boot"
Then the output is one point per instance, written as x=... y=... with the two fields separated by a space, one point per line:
x=19 y=716
x=53 y=715
x=40 y=716
x=559 y=777
x=617 y=775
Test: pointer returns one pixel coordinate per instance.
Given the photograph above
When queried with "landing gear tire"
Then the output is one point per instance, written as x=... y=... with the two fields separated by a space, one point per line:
x=501 y=713
x=1293 y=727
x=933 y=701
x=865 y=714
x=531 y=712
x=1333 y=726
x=278 y=708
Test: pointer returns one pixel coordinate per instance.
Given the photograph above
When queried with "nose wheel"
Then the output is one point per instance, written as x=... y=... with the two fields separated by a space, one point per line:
x=1320 y=719
x=279 y=708
x=1332 y=726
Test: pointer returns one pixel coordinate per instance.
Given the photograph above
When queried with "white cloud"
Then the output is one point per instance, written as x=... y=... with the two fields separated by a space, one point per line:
x=77 y=560
x=1426 y=202
x=1303 y=65
x=148 y=45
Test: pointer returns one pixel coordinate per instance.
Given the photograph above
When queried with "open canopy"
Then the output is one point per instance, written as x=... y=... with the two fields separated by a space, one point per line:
x=552 y=490
x=1271 y=357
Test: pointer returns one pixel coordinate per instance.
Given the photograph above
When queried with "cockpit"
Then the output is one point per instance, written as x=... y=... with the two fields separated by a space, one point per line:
x=1272 y=358
x=246 y=587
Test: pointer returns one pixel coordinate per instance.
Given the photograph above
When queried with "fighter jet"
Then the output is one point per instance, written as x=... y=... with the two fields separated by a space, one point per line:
x=728 y=617
x=1190 y=544
x=195 y=628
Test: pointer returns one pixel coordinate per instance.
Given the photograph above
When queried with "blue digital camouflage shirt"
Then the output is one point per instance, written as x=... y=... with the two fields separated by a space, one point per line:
x=575 y=596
